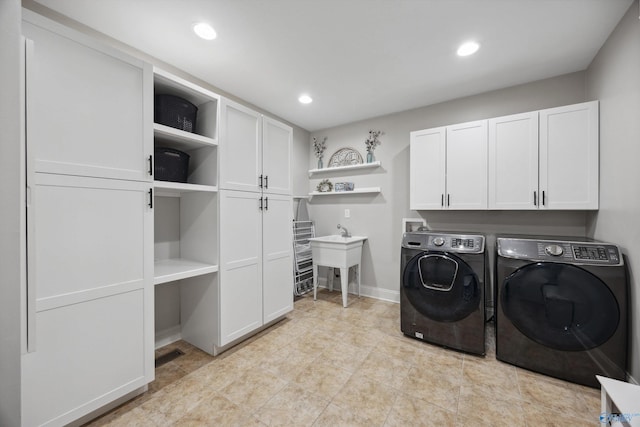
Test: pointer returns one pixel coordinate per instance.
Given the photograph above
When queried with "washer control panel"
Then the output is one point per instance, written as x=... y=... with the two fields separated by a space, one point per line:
x=591 y=253
x=431 y=240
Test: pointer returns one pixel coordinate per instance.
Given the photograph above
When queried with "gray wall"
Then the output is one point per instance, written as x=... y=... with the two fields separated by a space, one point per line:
x=380 y=217
x=10 y=213
x=614 y=78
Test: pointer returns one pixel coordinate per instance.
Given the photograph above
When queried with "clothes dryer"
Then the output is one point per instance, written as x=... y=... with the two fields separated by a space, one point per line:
x=442 y=288
x=562 y=307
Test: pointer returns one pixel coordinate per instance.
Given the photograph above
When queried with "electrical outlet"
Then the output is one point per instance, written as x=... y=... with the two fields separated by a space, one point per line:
x=347 y=213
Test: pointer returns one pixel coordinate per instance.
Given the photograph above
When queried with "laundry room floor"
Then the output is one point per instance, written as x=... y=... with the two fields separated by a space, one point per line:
x=325 y=365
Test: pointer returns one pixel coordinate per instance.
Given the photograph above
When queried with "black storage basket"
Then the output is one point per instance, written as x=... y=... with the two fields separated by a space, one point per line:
x=171 y=165
x=176 y=112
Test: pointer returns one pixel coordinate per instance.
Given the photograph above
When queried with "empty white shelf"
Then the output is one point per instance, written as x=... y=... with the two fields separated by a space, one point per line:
x=346 y=168
x=168 y=188
x=363 y=190
x=168 y=270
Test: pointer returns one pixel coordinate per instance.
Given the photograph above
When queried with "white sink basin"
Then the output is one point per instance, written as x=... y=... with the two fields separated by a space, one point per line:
x=338 y=239
x=337 y=252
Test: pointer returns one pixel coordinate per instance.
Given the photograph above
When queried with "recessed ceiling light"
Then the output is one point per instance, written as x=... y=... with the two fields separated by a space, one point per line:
x=305 y=99
x=468 y=48
x=205 y=31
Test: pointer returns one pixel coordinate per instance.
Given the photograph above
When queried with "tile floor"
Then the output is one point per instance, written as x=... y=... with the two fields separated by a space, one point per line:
x=329 y=366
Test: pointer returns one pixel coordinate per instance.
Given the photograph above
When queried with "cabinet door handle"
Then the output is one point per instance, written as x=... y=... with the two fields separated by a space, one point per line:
x=543 y=198
x=266 y=181
x=448 y=200
x=260 y=207
x=260 y=185
x=535 y=198
x=151 y=198
x=151 y=164
x=442 y=199
x=266 y=203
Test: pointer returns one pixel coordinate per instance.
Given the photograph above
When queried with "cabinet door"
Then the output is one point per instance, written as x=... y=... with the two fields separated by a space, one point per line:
x=90 y=295
x=276 y=156
x=427 y=169
x=240 y=148
x=277 y=257
x=513 y=162
x=467 y=166
x=569 y=156
x=89 y=109
x=240 y=297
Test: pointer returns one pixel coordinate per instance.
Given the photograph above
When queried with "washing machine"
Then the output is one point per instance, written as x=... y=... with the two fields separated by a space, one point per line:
x=442 y=288
x=562 y=307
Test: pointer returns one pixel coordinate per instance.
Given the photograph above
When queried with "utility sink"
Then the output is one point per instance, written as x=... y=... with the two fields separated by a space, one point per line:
x=336 y=251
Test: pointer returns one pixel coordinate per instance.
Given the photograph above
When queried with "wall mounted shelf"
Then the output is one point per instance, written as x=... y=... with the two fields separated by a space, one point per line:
x=174 y=189
x=364 y=190
x=181 y=139
x=345 y=168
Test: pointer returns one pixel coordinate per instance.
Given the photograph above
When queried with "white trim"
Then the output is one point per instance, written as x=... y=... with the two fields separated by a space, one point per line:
x=365 y=290
x=168 y=336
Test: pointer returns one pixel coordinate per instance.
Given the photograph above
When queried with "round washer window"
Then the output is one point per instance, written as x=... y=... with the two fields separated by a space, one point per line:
x=560 y=306
x=441 y=286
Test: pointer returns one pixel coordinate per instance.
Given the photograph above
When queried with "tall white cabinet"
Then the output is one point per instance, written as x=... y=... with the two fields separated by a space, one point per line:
x=89 y=302
x=256 y=275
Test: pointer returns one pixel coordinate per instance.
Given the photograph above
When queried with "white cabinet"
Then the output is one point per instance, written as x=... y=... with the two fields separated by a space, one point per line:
x=256 y=151
x=545 y=159
x=89 y=106
x=513 y=162
x=569 y=144
x=256 y=274
x=89 y=306
x=427 y=162
x=448 y=167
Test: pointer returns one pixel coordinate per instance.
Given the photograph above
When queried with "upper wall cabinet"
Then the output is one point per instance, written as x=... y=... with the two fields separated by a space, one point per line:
x=545 y=159
x=256 y=151
x=513 y=162
x=88 y=107
x=569 y=144
x=448 y=167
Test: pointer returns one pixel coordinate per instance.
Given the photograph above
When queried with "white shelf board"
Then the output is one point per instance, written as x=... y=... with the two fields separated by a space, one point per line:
x=168 y=82
x=363 y=190
x=346 y=168
x=181 y=139
x=168 y=270
x=168 y=188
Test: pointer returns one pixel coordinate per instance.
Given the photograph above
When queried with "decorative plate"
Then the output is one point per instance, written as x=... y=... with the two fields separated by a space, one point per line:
x=345 y=157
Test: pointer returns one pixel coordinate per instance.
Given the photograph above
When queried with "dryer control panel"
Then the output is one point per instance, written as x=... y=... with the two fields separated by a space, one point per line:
x=445 y=242
x=588 y=253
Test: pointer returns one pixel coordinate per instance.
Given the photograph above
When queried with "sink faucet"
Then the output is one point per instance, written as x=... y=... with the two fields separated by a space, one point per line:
x=343 y=231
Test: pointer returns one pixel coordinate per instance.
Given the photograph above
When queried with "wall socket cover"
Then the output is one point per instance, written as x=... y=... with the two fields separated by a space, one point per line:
x=347 y=213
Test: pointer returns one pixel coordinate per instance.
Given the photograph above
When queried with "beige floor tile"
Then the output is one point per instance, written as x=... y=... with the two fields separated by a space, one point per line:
x=323 y=379
x=493 y=377
x=385 y=369
x=344 y=355
x=537 y=415
x=429 y=385
x=214 y=410
x=334 y=416
x=292 y=406
x=369 y=399
x=444 y=361
x=476 y=407
x=411 y=411
x=253 y=389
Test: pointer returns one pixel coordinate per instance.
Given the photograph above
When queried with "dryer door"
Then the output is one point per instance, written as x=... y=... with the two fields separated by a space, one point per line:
x=560 y=306
x=441 y=286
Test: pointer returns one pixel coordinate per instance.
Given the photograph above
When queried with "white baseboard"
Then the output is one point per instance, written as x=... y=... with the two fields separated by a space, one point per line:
x=365 y=290
x=168 y=336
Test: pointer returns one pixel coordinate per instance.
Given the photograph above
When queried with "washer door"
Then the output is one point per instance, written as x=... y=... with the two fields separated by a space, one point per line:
x=441 y=286
x=560 y=306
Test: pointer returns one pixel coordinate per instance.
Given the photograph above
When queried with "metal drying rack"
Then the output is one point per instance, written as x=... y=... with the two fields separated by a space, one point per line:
x=303 y=260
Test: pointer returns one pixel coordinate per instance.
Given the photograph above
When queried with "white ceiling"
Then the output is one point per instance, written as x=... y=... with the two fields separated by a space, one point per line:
x=357 y=58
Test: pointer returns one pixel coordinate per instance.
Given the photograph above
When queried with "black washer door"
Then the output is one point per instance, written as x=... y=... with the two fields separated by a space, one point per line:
x=441 y=286
x=560 y=306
